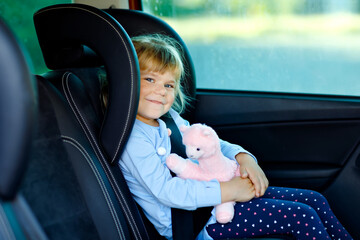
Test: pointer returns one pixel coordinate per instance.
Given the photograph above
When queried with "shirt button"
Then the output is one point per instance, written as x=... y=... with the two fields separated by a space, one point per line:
x=161 y=151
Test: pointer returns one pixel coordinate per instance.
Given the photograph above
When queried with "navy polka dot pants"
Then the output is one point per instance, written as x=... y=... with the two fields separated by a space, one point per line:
x=304 y=214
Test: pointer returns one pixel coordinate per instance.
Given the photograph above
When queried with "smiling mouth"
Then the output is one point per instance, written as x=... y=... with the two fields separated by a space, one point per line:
x=156 y=102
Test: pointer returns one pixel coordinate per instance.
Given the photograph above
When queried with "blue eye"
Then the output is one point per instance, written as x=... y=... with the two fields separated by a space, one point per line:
x=169 y=86
x=149 y=79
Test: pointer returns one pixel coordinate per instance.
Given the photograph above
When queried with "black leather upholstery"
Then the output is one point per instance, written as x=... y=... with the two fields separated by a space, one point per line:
x=17 y=122
x=77 y=150
x=17 y=112
x=66 y=32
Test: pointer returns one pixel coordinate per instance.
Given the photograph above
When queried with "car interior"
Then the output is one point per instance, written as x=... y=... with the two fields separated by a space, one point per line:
x=61 y=180
x=18 y=116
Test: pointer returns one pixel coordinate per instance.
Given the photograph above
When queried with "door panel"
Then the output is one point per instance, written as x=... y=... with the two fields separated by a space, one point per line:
x=299 y=140
x=302 y=154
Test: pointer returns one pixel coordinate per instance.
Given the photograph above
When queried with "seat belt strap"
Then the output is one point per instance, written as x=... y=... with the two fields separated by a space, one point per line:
x=186 y=225
x=182 y=220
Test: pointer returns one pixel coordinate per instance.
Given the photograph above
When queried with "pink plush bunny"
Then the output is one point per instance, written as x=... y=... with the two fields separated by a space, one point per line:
x=203 y=144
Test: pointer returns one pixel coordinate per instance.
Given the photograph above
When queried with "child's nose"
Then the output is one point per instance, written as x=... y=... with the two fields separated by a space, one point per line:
x=160 y=89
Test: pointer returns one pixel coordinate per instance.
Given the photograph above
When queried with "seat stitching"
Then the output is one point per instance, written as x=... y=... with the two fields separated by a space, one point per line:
x=100 y=181
x=133 y=226
x=100 y=156
x=131 y=70
x=98 y=153
x=76 y=113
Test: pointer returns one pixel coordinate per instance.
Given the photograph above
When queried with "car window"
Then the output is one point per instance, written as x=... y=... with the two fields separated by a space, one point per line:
x=19 y=16
x=293 y=46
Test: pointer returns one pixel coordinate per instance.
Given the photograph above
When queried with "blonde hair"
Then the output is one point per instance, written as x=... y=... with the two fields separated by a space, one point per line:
x=160 y=53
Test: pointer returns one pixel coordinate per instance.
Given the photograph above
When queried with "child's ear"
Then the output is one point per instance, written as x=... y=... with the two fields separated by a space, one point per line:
x=183 y=128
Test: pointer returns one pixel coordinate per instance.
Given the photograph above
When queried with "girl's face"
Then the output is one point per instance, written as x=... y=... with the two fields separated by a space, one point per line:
x=157 y=94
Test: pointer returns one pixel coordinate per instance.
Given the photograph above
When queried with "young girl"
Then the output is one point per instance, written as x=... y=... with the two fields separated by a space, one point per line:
x=260 y=210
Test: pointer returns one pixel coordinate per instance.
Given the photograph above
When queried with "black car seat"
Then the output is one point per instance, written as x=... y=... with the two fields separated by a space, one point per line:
x=73 y=183
x=17 y=121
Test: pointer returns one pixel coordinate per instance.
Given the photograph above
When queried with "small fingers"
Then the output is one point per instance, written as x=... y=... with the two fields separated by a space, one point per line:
x=263 y=187
x=265 y=184
x=257 y=184
x=243 y=172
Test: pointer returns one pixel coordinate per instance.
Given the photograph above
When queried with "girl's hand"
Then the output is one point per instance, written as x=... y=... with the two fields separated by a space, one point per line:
x=237 y=189
x=250 y=169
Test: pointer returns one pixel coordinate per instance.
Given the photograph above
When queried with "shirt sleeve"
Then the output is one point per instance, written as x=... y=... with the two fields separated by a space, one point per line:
x=151 y=174
x=231 y=150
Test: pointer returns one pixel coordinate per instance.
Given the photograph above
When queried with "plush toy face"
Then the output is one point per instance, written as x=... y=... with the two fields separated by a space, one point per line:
x=194 y=152
x=200 y=141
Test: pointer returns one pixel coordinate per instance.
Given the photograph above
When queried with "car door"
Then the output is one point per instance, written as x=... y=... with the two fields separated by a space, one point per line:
x=300 y=141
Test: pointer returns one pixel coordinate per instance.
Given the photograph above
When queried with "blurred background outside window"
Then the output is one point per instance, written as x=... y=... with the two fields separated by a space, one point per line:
x=296 y=46
x=18 y=15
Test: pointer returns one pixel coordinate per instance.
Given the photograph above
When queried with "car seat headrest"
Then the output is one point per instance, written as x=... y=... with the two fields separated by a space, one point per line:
x=137 y=22
x=77 y=35
x=17 y=112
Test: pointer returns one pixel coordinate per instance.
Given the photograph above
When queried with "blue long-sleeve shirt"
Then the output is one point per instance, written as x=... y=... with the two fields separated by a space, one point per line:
x=150 y=181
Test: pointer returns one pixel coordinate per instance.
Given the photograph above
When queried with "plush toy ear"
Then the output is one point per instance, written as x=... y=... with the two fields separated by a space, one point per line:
x=206 y=132
x=183 y=128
